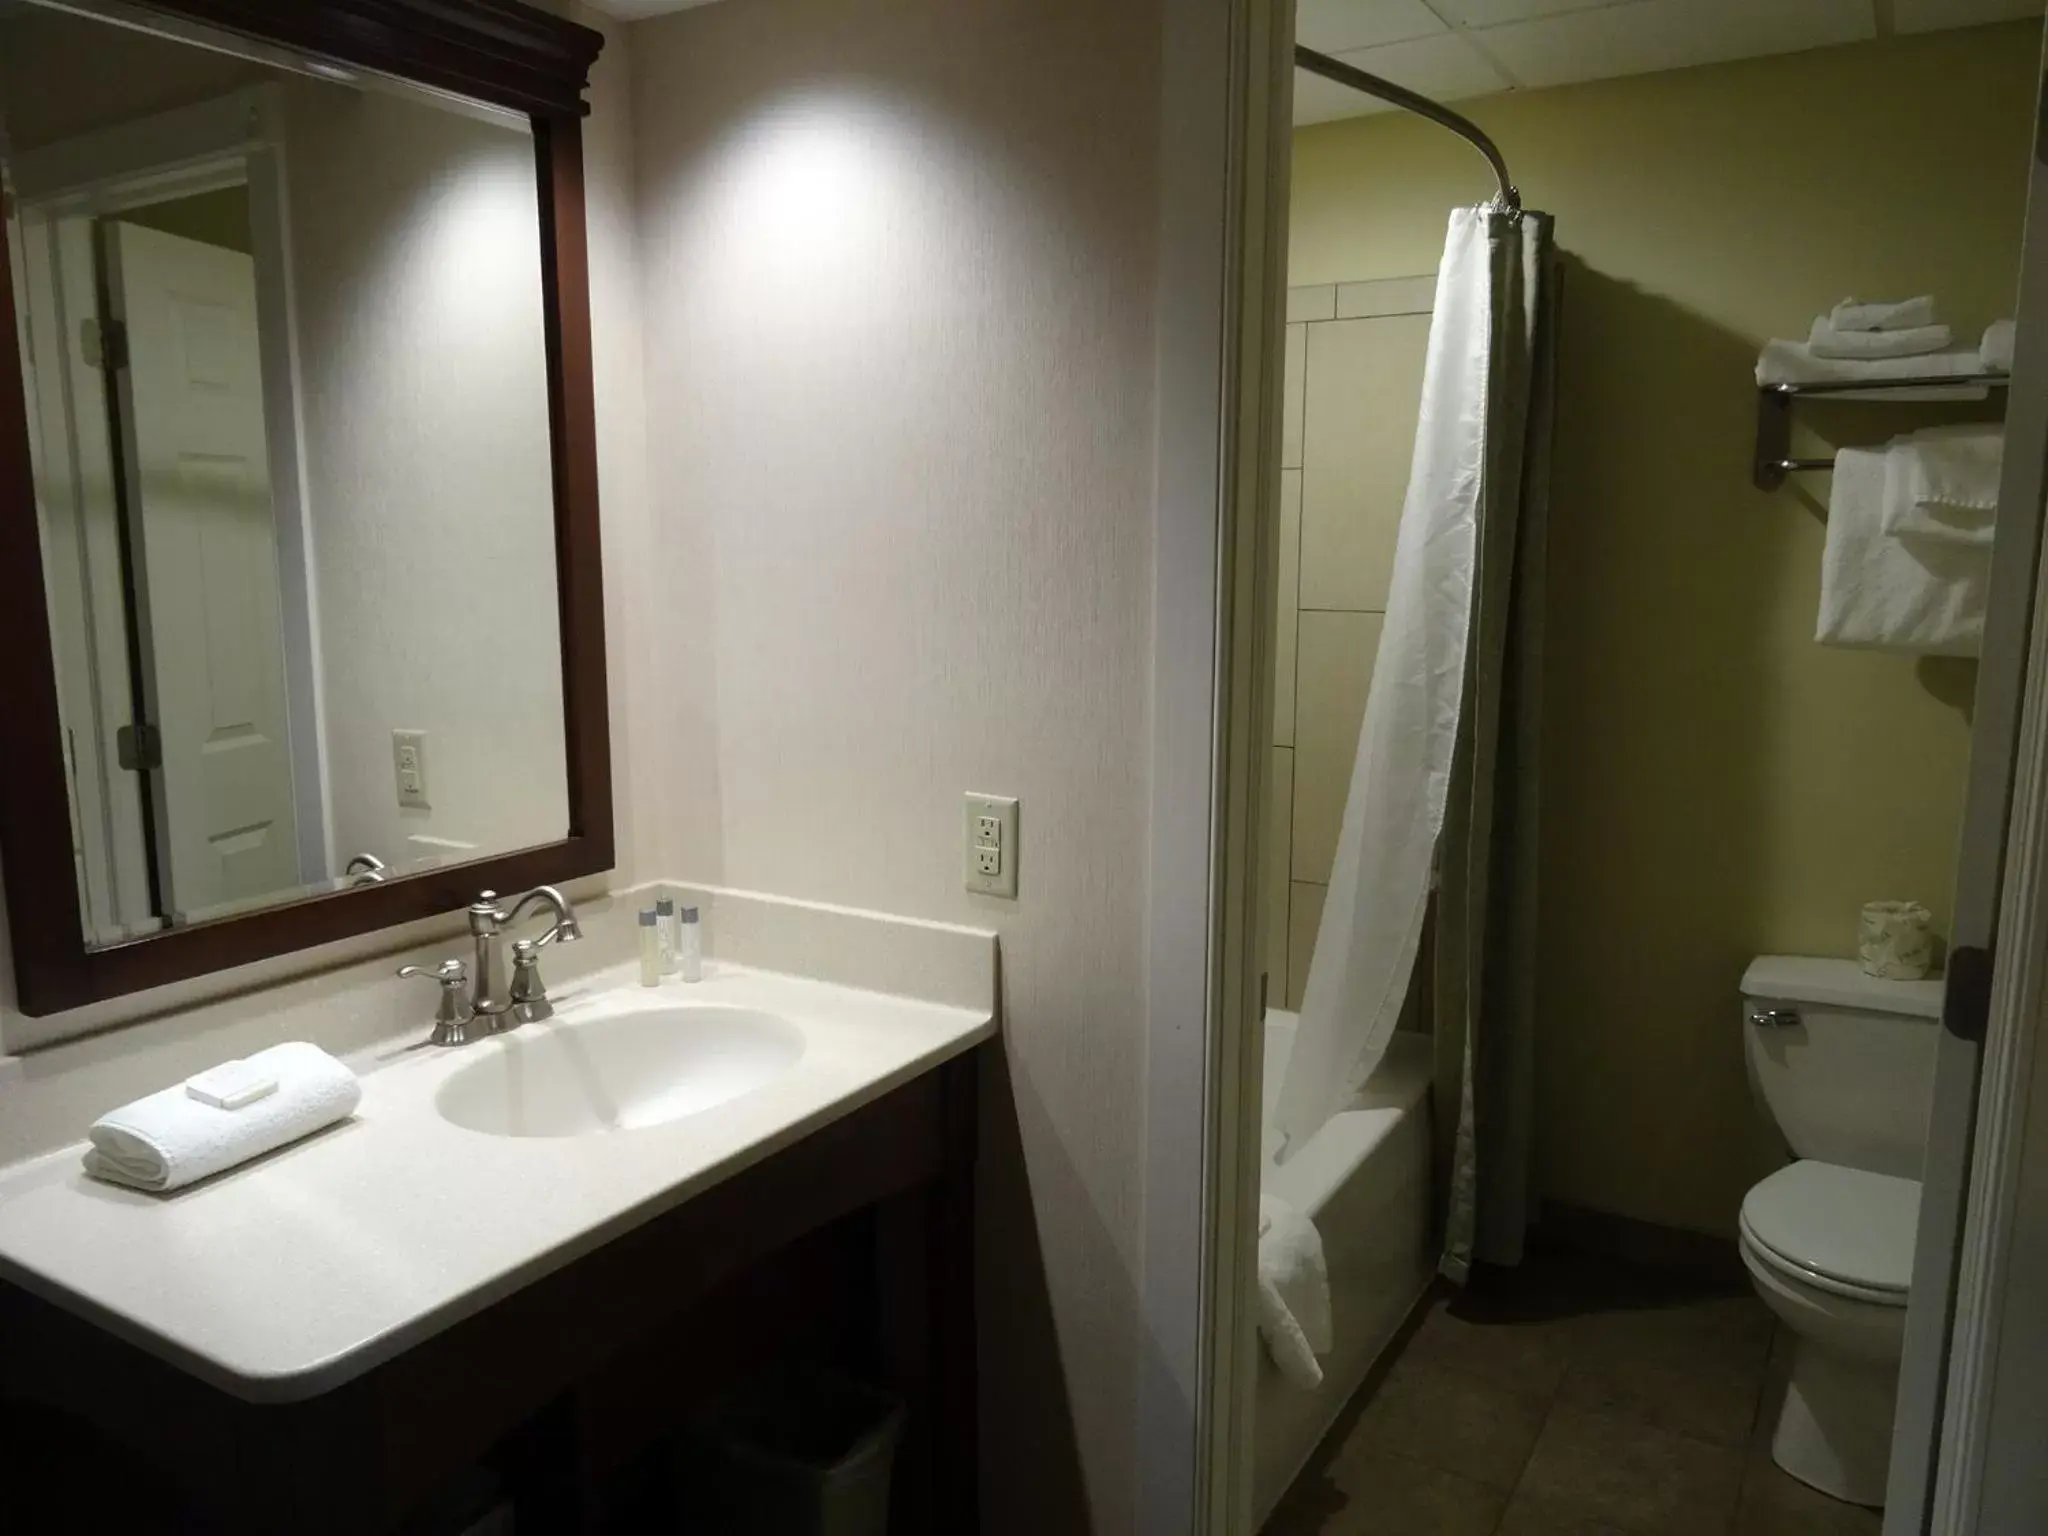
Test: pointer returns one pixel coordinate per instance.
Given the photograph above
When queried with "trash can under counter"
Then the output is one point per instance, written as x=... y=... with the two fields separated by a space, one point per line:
x=807 y=1455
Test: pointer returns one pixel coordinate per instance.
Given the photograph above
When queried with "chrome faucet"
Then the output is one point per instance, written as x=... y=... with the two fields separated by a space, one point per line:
x=524 y=999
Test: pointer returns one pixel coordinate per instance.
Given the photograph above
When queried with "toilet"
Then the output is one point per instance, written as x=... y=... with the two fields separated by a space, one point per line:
x=1843 y=1066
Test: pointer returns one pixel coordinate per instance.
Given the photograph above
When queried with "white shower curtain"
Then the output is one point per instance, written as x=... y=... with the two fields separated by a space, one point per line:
x=1394 y=813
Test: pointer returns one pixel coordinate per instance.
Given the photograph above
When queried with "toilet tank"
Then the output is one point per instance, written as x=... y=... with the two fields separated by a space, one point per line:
x=1842 y=1063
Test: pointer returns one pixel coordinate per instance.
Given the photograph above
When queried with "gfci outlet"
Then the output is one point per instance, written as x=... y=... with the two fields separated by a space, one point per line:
x=409 y=768
x=992 y=845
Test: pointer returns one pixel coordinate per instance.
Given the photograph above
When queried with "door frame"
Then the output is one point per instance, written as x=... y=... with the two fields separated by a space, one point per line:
x=1226 y=105
x=1946 y=1451
x=1982 y=1254
x=229 y=140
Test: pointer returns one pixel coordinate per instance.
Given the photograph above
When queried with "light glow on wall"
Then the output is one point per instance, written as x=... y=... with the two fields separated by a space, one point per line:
x=819 y=188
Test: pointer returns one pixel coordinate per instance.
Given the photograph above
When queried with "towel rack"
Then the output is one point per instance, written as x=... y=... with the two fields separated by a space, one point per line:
x=1774 y=413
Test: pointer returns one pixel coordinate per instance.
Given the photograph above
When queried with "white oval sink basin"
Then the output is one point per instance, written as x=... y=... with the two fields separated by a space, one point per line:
x=618 y=1072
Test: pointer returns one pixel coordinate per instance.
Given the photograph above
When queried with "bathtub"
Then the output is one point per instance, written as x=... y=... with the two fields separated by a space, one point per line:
x=1363 y=1179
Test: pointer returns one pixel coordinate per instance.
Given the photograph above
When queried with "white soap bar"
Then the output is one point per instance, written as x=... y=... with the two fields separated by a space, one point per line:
x=231 y=1085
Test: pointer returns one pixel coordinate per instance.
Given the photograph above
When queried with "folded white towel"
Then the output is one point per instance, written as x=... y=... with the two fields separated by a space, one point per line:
x=1941 y=483
x=1793 y=362
x=1294 y=1292
x=1997 y=346
x=1826 y=341
x=1895 y=315
x=170 y=1139
x=1892 y=594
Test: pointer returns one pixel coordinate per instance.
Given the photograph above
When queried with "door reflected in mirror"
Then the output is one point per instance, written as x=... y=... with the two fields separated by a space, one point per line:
x=284 y=353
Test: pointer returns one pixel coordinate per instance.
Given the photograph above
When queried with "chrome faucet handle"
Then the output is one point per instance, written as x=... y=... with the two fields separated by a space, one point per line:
x=529 y=993
x=453 y=1013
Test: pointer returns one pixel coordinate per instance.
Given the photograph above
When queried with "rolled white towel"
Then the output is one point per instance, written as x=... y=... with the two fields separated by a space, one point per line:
x=1294 y=1292
x=1826 y=341
x=1997 y=345
x=171 y=1139
x=1884 y=315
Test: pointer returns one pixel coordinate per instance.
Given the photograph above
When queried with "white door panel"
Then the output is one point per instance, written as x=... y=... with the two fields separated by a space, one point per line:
x=206 y=555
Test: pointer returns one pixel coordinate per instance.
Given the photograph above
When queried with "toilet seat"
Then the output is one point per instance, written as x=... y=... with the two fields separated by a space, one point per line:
x=1842 y=1230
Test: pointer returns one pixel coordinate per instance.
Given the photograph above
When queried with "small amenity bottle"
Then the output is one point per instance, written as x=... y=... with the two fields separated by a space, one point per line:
x=650 y=949
x=665 y=922
x=690 y=946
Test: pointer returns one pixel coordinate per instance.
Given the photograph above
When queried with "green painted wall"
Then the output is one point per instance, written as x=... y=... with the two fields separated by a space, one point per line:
x=1717 y=785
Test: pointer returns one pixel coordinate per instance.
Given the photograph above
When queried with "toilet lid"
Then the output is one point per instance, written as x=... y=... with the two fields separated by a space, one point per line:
x=1838 y=1223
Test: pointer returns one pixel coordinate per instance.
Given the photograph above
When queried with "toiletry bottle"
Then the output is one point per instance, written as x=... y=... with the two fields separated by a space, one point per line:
x=650 y=949
x=690 y=946
x=665 y=922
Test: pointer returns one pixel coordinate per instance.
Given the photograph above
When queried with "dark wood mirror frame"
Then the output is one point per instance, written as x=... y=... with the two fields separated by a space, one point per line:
x=497 y=51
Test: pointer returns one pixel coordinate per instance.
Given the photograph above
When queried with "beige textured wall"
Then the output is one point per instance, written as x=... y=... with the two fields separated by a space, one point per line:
x=898 y=277
x=1717 y=785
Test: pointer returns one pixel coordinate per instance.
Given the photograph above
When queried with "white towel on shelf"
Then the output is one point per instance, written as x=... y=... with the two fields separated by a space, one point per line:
x=1893 y=594
x=1917 y=341
x=1793 y=362
x=1941 y=483
x=1888 y=315
x=170 y=1139
x=1294 y=1292
x=1997 y=346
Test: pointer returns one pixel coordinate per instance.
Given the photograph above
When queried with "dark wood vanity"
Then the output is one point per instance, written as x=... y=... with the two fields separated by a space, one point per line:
x=853 y=1246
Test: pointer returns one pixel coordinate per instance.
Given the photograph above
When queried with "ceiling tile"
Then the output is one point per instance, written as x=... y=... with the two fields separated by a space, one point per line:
x=1317 y=100
x=1936 y=15
x=1336 y=26
x=1491 y=13
x=1444 y=67
x=1646 y=35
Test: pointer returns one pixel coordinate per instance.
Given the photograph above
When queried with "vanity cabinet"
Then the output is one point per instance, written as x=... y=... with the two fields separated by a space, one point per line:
x=853 y=1243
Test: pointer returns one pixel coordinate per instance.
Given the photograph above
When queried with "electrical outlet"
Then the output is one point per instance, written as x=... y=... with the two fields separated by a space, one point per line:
x=991 y=838
x=409 y=767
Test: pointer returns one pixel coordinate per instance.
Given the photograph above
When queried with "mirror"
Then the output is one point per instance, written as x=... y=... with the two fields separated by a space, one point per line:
x=285 y=356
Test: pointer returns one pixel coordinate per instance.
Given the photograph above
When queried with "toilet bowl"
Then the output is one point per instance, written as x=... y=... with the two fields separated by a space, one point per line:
x=1843 y=1066
x=1830 y=1250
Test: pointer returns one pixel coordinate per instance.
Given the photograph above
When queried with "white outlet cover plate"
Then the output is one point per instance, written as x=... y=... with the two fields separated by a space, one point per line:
x=409 y=769
x=991 y=852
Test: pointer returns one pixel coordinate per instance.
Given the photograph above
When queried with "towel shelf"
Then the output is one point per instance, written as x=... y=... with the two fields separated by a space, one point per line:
x=1774 y=413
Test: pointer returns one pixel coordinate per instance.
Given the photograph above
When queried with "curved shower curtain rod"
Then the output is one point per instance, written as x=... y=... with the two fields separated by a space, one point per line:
x=1358 y=80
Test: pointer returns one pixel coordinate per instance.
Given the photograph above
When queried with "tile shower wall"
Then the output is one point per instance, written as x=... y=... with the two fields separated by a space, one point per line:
x=1353 y=381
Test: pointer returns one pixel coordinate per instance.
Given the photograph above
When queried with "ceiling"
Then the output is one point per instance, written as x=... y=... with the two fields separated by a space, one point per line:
x=1454 y=48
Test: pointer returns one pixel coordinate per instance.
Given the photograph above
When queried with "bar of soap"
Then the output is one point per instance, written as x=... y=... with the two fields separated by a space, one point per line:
x=231 y=1085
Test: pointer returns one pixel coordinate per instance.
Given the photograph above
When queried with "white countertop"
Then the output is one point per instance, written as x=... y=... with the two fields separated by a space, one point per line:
x=288 y=1276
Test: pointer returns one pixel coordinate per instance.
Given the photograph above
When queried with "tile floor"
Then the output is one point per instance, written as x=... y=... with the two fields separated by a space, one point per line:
x=1569 y=1396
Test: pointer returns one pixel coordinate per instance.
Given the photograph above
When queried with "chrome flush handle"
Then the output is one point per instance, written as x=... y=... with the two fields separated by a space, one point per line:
x=1774 y=1018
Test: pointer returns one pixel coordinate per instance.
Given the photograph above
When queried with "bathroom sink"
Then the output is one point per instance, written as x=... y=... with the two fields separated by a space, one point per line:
x=618 y=1072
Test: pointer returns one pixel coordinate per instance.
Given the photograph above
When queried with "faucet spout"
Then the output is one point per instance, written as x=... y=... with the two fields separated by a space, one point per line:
x=488 y=921
x=564 y=927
